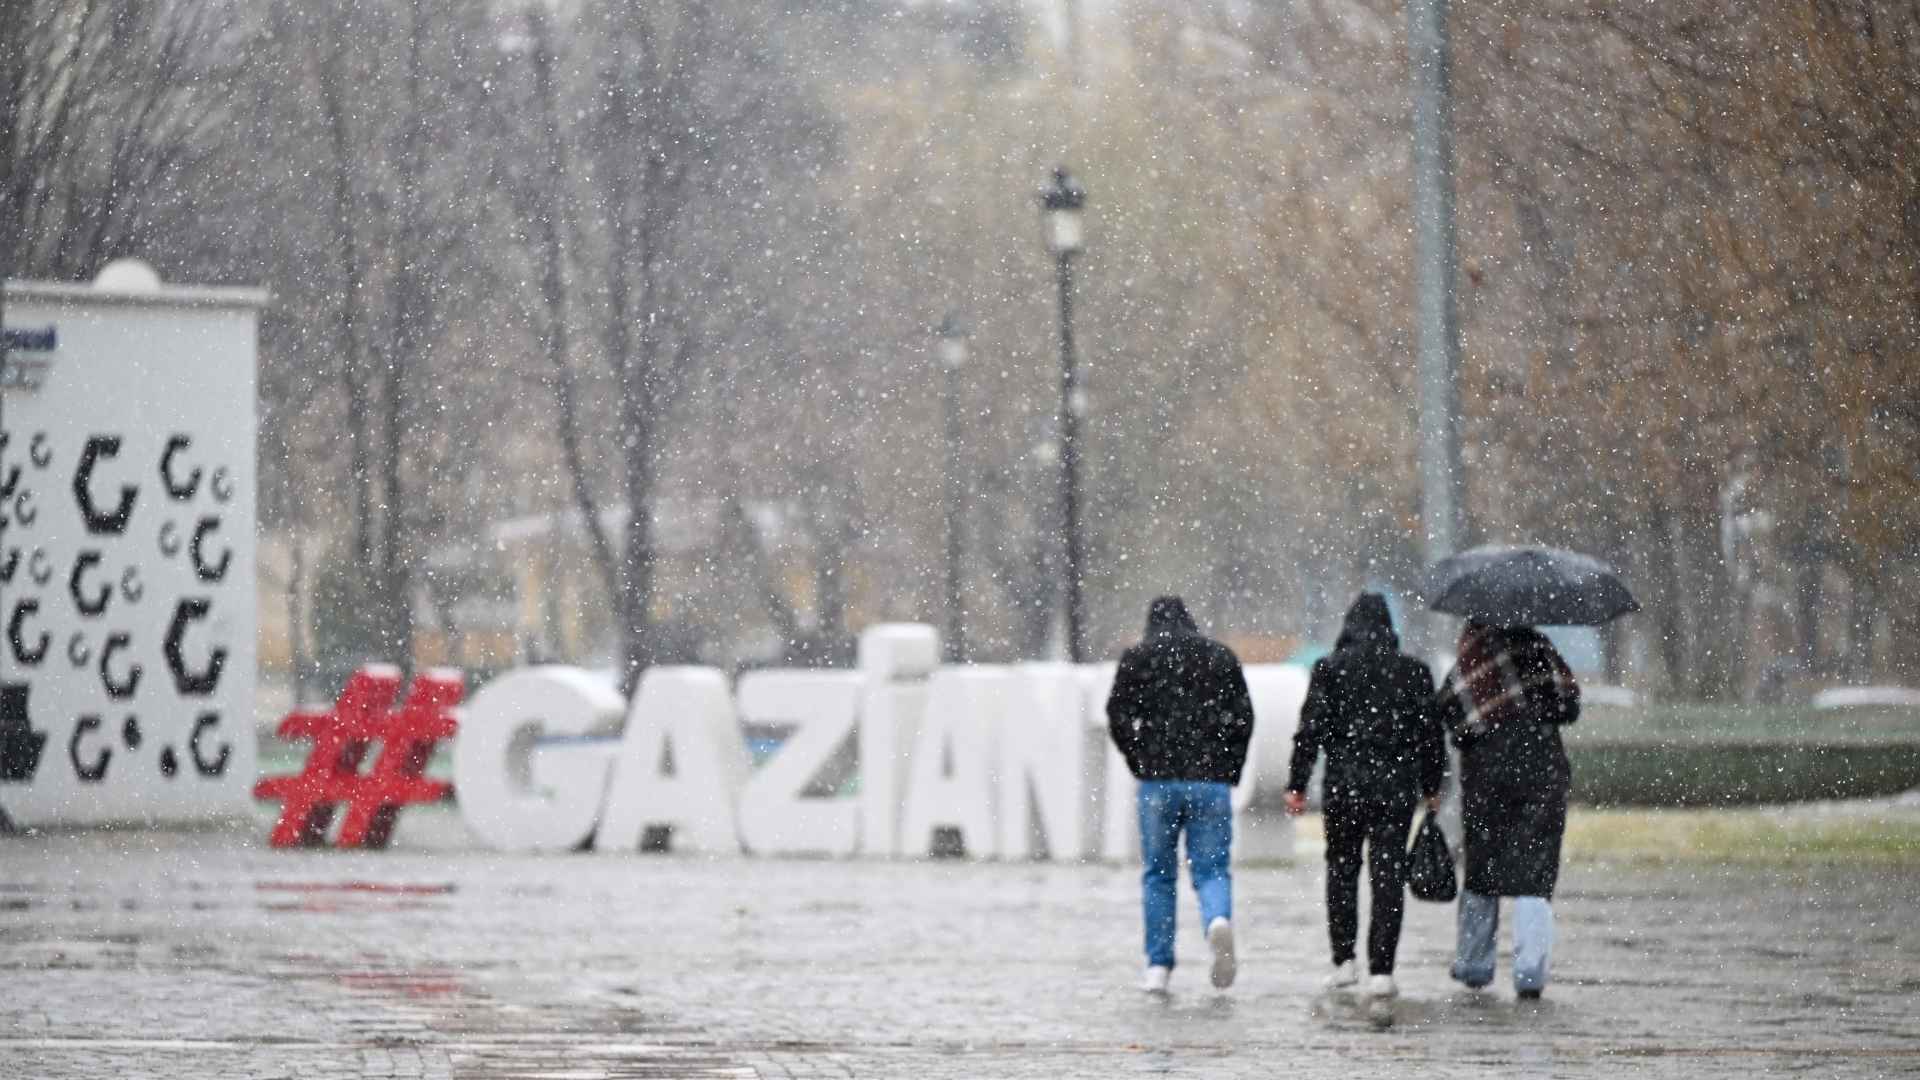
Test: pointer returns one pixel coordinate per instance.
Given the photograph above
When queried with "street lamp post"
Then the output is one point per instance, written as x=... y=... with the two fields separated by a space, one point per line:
x=952 y=350
x=1060 y=211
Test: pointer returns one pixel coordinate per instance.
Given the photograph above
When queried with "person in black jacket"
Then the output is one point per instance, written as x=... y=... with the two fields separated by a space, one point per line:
x=1181 y=716
x=1369 y=708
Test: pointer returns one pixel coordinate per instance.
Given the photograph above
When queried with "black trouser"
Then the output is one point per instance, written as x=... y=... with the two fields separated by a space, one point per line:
x=1383 y=830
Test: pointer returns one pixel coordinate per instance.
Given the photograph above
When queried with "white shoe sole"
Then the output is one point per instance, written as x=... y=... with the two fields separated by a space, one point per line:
x=1220 y=937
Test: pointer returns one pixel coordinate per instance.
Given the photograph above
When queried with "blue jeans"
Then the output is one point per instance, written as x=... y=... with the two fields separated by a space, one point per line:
x=1204 y=810
x=1532 y=940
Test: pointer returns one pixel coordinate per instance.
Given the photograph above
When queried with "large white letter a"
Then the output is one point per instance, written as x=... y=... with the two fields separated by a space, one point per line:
x=681 y=765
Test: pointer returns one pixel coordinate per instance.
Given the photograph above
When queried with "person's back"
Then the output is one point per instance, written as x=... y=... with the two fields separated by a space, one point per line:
x=1504 y=703
x=1181 y=716
x=1369 y=709
x=1179 y=708
x=1515 y=747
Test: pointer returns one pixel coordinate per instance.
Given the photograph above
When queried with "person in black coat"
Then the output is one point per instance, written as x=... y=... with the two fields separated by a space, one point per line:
x=1181 y=716
x=1504 y=703
x=1369 y=709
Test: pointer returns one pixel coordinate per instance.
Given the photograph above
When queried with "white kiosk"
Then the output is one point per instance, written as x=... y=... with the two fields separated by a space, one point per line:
x=127 y=551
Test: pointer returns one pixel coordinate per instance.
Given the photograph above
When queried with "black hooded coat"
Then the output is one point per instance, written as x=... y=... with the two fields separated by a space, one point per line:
x=1179 y=709
x=1514 y=779
x=1369 y=708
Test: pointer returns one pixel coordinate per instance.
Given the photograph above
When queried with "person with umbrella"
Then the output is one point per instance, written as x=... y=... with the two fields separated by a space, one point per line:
x=1504 y=702
x=1369 y=708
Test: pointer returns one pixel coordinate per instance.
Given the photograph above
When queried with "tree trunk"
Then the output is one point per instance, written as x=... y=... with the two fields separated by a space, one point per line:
x=352 y=298
x=1672 y=612
x=747 y=545
x=413 y=310
x=637 y=556
x=1616 y=547
x=1903 y=625
x=297 y=619
x=630 y=243
x=1864 y=613
x=1715 y=646
x=1613 y=652
x=830 y=580
x=638 y=376
x=639 y=212
x=1040 y=601
x=644 y=383
x=1809 y=597
x=13 y=73
x=555 y=337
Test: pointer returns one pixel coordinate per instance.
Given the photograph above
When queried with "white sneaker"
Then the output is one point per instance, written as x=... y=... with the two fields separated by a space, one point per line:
x=1220 y=938
x=1155 y=981
x=1342 y=977
x=1381 y=986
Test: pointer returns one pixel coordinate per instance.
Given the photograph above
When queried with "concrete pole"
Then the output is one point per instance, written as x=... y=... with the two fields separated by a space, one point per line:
x=1436 y=310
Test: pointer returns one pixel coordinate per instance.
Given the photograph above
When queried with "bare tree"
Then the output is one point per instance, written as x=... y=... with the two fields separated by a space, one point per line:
x=15 y=18
x=544 y=204
x=678 y=111
x=646 y=138
x=354 y=317
x=105 y=106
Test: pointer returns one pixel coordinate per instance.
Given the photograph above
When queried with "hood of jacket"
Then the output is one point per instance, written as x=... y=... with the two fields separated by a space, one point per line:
x=1369 y=625
x=1168 y=615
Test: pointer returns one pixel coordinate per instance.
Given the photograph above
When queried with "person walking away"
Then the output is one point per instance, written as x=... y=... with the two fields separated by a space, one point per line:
x=1369 y=709
x=1181 y=716
x=1504 y=704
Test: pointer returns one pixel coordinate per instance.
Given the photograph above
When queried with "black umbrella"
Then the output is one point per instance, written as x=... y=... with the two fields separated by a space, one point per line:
x=1528 y=586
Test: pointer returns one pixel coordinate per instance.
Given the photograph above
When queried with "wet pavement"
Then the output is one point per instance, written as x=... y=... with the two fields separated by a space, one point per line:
x=206 y=955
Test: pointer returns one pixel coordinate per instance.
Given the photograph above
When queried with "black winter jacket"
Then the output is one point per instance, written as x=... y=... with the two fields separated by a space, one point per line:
x=1179 y=709
x=1514 y=784
x=1369 y=708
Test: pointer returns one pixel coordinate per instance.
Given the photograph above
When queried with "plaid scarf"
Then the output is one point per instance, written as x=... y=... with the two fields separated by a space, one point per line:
x=1509 y=674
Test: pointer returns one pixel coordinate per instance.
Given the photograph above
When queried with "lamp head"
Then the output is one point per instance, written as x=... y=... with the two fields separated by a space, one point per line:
x=1060 y=210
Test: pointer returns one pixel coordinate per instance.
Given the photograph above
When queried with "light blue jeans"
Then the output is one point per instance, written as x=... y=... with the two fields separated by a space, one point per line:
x=1204 y=811
x=1532 y=940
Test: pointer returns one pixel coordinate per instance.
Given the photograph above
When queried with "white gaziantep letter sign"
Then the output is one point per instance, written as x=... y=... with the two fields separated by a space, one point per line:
x=895 y=659
x=532 y=774
x=951 y=785
x=987 y=761
x=785 y=808
x=1045 y=795
x=1263 y=831
x=680 y=769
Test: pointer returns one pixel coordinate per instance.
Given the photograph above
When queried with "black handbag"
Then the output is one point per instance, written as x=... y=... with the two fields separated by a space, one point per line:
x=1430 y=864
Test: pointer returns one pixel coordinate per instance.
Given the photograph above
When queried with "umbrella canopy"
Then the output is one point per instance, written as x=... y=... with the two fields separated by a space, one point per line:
x=1529 y=586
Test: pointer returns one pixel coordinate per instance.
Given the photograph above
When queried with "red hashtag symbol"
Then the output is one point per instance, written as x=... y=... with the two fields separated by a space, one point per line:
x=341 y=738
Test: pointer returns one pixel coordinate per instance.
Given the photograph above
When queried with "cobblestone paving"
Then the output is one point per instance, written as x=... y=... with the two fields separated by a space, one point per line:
x=205 y=955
